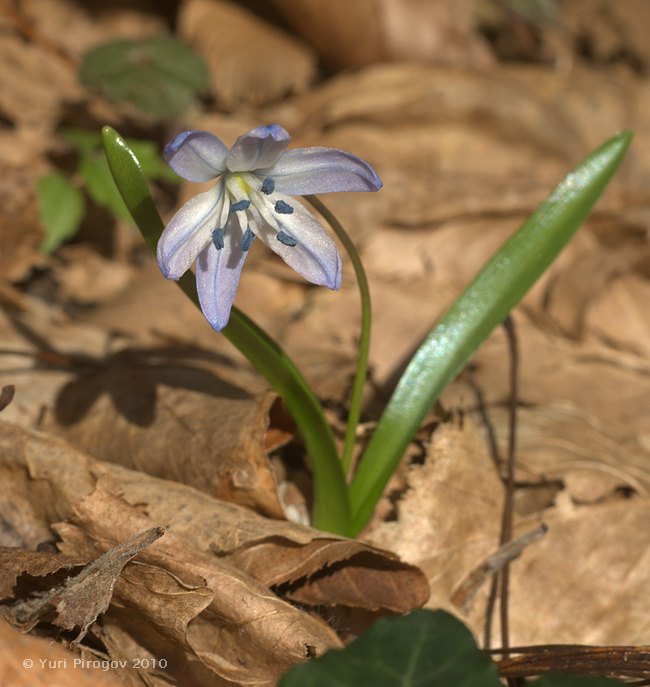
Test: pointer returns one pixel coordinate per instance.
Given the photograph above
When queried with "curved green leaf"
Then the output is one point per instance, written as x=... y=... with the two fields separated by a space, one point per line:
x=480 y=308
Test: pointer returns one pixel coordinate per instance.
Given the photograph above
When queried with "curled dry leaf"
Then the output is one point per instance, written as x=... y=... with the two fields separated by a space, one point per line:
x=179 y=412
x=183 y=423
x=307 y=566
x=80 y=599
x=250 y=61
x=201 y=592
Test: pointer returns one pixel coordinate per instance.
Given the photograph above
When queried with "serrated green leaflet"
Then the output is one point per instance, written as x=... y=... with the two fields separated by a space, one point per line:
x=160 y=76
x=62 y=208
x=483 y=305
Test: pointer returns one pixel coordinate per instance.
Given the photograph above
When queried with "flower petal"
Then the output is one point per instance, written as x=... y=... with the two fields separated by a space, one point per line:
x=189 y=232
x=260 y=147
x=217 y=276
x=303 y=171
x=196 y=155
x=314 y=254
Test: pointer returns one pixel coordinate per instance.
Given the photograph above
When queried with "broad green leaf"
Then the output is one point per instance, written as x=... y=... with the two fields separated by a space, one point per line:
x=484 y=304
x=421 y=649
x=62 y=208
x=160 y=76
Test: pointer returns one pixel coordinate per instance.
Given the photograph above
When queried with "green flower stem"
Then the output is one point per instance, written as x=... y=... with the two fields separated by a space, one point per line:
x=331 y=506
x=480 y=308
x=356 y=399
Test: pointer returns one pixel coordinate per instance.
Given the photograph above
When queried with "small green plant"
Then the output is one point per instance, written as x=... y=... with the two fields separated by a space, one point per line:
x=62 y=199
x=159 y=76
x=422 y=649
x=248 y=201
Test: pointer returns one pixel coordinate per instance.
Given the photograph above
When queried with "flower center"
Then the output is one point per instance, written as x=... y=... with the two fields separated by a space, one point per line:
x=238 y=188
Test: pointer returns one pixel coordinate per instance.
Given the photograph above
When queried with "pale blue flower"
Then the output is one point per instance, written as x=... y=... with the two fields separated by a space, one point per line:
x=252 y=199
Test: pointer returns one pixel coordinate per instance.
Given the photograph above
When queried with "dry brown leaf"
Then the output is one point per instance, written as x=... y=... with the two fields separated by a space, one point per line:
x=586 y=581
x=439 y=31
x=559 y=440
x=619 y=315
x=142 y=319
x=20 y=228
x=33 y=91
x=86 y=278
x=246 y=632
x=448 y=519
x=612 y=30
x=76 y=28
x=168 y=410
x=250 y=61
x=307 y=566
x=79 y=600
x=584 y=406
x=239 y=631
x=183 y=423
x=20 y=563
x=253 y=634
x=52 y=663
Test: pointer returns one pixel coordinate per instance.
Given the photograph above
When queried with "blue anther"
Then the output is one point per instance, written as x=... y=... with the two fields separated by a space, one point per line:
x=268 y=186
x=240 y=205
x=217 y=239
x=286 y=239
x=247 y=240
x=283 y=208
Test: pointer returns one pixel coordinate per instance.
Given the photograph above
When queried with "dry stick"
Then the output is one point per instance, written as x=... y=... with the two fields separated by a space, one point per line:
x=620 y=661
x=508 y=507
x=506 y=523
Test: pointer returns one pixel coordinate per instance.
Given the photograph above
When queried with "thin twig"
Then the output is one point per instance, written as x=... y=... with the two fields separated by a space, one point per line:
x=500 y=583
x=508 y=509
x=464 y=594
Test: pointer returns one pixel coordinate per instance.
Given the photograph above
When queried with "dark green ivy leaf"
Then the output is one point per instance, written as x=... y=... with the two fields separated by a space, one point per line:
x=160 y=76
x=422 y=649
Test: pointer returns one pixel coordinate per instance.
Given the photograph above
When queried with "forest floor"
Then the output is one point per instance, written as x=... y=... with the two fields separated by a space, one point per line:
x=130 y=413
